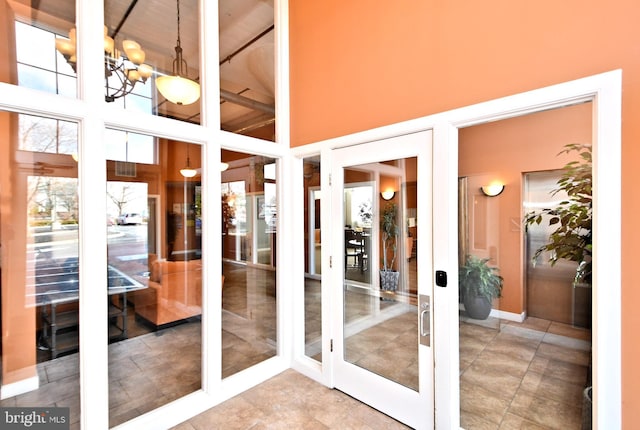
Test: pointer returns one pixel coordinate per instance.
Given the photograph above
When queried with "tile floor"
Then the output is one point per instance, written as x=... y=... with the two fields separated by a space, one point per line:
x=291 y=401
x=528 y=375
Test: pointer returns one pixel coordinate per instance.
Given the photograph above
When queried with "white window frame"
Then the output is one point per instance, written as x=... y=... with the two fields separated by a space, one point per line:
x=93 y=117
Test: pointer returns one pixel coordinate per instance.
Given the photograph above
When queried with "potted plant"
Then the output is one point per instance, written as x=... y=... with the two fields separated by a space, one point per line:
x=479 y=285
x=390 y=231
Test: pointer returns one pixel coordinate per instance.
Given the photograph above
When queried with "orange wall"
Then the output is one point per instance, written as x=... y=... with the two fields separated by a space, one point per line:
x=361 y=64
x=504 y=150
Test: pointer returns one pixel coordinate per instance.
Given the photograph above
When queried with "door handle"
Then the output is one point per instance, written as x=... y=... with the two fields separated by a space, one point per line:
x=422 y=331
x=424 y=311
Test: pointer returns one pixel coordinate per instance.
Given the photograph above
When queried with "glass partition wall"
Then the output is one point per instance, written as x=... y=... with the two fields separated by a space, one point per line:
x=39 y=252
x=249 y=232
x=313 y=257
x=154 y=247
x=154 y=193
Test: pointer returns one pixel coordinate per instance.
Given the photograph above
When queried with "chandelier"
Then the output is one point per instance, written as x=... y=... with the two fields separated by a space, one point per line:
x=128 y=67
x=178 y=88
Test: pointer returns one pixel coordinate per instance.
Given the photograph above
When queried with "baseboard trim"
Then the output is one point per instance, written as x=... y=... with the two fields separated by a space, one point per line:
x=497 y=313
x=509 y=316
x=20 y=387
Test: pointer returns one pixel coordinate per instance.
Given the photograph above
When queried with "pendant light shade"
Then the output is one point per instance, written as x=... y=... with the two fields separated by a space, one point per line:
x=178 y=88
x=188 y=172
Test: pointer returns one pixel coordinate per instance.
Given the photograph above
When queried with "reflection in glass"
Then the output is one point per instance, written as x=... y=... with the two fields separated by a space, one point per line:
x=155 y=266
x=153 y=26
x=249 y=228
x=313 y=254
x=135 y=51
x=551 y=294
x=247 y=82
x=380 y=319
x=39 y=65
x=39 y=253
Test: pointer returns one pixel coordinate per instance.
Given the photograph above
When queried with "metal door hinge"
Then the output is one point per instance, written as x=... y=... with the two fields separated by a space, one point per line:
x=331 y=345
x=330 y=262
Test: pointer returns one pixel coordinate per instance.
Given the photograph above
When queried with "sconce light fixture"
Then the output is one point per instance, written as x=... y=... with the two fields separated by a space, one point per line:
x=388 y=195
x=492 y=190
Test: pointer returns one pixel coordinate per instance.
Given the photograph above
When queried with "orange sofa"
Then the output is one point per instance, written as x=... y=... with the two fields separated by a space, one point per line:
x=174 y=292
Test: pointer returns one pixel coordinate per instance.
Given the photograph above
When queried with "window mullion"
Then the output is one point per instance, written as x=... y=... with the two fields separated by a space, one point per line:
x=94 y=391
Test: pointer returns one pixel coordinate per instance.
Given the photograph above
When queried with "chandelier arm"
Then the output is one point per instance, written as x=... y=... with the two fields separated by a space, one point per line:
x=127 y=85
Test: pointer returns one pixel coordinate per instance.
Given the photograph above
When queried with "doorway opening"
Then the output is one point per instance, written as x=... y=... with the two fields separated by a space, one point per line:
x=529 y=347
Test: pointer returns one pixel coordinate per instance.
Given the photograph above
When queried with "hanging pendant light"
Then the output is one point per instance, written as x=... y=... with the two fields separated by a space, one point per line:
x=178 y=88
x=188 y=171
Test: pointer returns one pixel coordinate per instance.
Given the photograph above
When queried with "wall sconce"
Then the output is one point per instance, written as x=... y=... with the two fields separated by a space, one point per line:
x=387 y=195
x=492 y=190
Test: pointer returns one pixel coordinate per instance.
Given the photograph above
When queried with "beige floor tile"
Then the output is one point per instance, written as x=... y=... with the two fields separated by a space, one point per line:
x=480 y=402
x=500 y=384
x=570 y=331
x=475 y=422
x=568 y=372
x=568 y=355
x=497 y=362
x=514 y=422
x=545 y=412
x=552 y=388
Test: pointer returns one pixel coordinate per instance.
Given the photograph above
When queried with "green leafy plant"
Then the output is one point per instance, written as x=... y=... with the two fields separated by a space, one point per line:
x=572 y=238
x=390 y=232
x=477 y=278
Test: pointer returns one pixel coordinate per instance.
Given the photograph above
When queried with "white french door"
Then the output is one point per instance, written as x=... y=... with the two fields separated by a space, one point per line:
x=381 y=330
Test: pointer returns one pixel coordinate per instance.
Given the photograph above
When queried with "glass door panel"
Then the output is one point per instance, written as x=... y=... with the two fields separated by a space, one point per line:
x=383 y=351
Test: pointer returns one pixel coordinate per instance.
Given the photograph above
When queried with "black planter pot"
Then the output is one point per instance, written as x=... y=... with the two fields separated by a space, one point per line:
x=477 y=307
x=389 y=280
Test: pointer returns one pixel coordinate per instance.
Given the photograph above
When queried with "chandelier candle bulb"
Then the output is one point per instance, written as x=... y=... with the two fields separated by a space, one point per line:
x=109 y=45
x=133 y=75
x=145 y=70
x=66 y=47
x=133 y=51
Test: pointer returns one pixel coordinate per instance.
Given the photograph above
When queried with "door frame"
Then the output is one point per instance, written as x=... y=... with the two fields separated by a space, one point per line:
x=605 y=92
